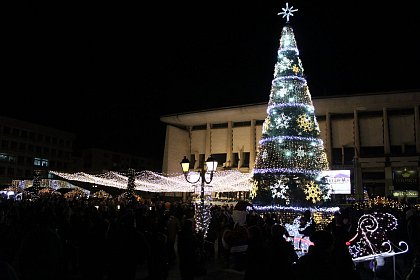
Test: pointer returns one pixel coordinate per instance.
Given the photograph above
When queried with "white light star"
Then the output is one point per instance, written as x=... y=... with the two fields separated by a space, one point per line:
x=287 y=12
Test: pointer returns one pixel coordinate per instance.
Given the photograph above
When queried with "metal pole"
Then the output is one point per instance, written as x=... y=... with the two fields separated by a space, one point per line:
x=393 y=260
x=203 y=174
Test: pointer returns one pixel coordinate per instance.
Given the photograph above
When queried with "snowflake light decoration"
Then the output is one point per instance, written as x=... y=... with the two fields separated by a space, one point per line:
x=264 y=154
x=282 y=92
x=279 y=190
x=282 y=121
x=254 y=189
x=313 y=192
x=300 y=152
x=283 y=64
x=295 y=69
x=287 y=12
x=305 y=123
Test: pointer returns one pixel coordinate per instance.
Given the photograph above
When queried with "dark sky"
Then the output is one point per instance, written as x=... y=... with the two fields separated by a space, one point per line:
x=107 y=70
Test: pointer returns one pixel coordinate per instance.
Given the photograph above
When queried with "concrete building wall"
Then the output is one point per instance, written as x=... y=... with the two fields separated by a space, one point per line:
x=373 y=135
x=177 y=146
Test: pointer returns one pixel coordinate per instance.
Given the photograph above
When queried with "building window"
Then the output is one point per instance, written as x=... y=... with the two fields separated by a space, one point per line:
x=6 y=130
x=41 y=162
x=337 y=156
x=241 y=124
x=219 y=125
x=372 y=151
x=348 y=155
x=199 y=127
x=192 y=161
x=22 y=146
x=4 y=144
x=410 y=149
x=235 y=159
x=220 y=158
x=245 y=159
x=7 y=158
x=201 y=160
x=13 y=145
x=396 y=150
x=15 y=132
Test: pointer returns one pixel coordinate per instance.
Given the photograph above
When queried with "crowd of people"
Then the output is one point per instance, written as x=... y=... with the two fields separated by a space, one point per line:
x=54 y=238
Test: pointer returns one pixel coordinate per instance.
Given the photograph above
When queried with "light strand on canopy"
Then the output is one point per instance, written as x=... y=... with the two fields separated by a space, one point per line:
x=223 y=181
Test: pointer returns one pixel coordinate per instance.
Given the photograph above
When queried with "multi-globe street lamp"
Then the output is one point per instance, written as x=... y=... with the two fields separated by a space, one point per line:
x=208 y=169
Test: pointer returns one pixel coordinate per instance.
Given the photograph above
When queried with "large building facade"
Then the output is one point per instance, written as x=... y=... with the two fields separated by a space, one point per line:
x=26 y=148
x=376 y=136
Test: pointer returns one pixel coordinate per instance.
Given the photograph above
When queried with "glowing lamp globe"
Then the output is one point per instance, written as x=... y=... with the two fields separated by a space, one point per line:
x=211 y=164
x=185 y=164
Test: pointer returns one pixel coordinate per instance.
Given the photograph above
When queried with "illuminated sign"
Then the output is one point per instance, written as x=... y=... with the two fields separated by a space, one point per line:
x=339 y=180
x=409 y=193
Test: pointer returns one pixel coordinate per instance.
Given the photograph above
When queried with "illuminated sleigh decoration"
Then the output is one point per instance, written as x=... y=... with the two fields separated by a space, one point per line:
x=371 y=240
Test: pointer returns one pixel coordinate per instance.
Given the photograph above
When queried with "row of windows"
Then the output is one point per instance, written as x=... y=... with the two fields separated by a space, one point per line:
x=225 y=125
x=29 y=161
x=13 y=145
x=221 y=160
x=345 y=155
x=340 y=156
x=38 y=137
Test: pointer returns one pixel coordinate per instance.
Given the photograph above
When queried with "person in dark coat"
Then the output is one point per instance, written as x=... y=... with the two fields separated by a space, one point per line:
x=280 y=253
x=317 y=264
x=187 y=247
x=256 y=262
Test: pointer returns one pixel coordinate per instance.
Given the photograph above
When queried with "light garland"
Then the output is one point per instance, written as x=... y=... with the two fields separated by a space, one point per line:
x=380 y=202
x=276 y=208
x=309 y=108
x=148 y=181
x=313 y=141
x=286 y=171
x=280 y=79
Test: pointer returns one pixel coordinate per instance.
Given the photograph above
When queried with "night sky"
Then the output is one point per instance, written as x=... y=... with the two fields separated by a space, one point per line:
x=107 y=70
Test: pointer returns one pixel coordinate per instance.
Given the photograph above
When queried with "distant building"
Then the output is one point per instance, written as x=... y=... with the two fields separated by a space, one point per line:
x=26 y=147
x=376 y=136
x=30 y=150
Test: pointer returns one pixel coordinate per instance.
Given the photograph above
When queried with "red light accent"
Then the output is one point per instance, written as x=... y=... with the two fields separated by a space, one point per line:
x=348 y=243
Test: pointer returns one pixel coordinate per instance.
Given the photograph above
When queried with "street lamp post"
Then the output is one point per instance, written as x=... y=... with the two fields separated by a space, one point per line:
x=211 y=165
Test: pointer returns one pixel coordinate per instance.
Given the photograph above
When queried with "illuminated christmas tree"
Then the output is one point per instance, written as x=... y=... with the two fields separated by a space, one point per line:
x=291 y=154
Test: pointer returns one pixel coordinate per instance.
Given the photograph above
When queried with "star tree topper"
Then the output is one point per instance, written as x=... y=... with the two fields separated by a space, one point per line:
x=287 y=12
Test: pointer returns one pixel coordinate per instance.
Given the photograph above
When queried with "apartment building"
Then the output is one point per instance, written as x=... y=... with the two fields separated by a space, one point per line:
x=26 y=147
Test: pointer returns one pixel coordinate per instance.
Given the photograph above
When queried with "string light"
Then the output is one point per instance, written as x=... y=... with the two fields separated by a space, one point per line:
x=371 y=240
x=223 y=181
